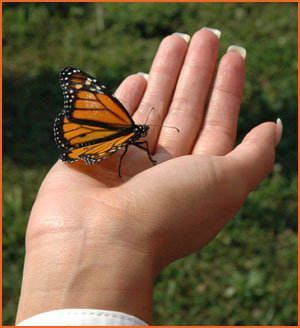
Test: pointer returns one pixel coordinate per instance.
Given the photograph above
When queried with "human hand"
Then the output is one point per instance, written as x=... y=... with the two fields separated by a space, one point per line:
x=97 y=241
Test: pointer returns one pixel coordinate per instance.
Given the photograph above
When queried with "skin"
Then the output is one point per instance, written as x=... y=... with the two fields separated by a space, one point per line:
x=97 y=241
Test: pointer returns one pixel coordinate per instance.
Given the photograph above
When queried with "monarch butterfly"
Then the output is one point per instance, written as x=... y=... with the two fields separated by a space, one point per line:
x=93 y=124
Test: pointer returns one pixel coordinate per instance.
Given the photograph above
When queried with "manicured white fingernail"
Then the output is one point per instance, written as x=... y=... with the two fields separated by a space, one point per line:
x=279 y=130
x=145 y=75
x=186 y=37
x=214 y=30
x=240 y=50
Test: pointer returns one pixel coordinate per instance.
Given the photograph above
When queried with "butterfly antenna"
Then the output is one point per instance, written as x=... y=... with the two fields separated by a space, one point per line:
x=151 y=109
x=161 y=126
x=166 y=126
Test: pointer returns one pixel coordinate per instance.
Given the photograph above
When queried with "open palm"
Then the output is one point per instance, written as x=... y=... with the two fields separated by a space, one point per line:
x=86 y=214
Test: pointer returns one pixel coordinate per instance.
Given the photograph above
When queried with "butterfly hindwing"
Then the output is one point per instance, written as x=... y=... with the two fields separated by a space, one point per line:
x=69 y=134
x=96 y=152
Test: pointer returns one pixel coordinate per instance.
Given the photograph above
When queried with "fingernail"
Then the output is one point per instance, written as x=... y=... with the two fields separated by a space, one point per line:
x=186 y=37
x=240 y=50
x=145 y=75
x=214 y=30
x=279 y=130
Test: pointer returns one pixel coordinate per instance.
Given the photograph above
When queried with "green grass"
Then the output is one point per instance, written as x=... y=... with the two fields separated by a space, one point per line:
x=248 y=274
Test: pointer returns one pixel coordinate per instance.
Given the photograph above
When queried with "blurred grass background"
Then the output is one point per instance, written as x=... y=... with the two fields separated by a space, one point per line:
x=248 y=274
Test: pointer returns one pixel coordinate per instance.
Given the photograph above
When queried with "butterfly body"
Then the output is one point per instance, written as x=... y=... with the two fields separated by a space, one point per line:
x=93 y=124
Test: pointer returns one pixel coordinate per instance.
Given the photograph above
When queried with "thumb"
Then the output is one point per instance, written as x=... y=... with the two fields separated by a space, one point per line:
x=254 y=158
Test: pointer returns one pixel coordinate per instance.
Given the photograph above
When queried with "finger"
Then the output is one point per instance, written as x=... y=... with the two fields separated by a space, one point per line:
x=131 y=91
x=253 y=159
x=187 y=107
x=161 y=83
x=218 y=132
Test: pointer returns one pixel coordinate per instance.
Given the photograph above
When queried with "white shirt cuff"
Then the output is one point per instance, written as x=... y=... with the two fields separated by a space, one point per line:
x=82 y=317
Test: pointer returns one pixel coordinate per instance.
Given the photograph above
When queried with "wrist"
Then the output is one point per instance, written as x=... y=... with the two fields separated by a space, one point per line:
x=106 y=277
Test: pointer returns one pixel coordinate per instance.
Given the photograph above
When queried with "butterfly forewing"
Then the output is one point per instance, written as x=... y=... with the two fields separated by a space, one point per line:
x=86 y=99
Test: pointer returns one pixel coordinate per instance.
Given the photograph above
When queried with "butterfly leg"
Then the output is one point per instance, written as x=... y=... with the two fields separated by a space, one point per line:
x=138 y=144
x=126 y=147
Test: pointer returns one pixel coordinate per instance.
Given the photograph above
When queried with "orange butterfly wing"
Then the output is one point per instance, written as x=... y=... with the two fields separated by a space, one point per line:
x=87 y=142
x=93 y=124
x=86 y=99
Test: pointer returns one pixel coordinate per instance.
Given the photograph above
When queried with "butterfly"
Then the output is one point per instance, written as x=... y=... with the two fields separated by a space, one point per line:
x=93 y=124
